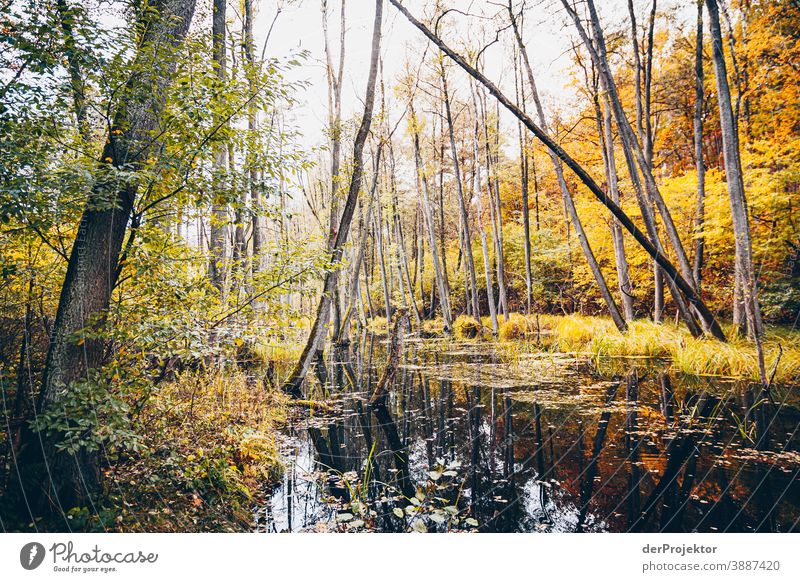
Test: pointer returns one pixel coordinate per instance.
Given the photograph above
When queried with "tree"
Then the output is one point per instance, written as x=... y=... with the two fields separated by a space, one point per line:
x=681 y=285
x=566 y=195
x=92 y=272
x=319 y=328
x=466 y=238
x=735 y=181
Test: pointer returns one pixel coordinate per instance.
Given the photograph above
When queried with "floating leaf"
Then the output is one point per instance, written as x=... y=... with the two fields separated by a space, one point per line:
x=438 y=518
x=398 y=512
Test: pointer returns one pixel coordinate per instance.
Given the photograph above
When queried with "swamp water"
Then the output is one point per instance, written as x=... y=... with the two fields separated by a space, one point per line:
x=474 y=440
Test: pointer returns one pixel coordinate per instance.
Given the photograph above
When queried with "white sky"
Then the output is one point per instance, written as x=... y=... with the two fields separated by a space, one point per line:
x=299 y=26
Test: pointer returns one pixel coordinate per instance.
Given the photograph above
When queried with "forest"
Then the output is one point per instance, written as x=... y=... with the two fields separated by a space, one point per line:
x=399 y=265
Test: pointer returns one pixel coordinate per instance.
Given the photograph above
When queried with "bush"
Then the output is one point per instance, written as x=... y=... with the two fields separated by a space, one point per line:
x=516 y=328
x=467 y=328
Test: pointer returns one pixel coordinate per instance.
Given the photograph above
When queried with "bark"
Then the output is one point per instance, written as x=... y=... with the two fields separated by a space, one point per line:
x=492 y=186
x=377 y=232
x=699 y=237
x=92 y=269
x=76 y=81
x=598 y=53
x=401 y=246
x=675 y=276
x=359 y=258
x=218 y=225
x=645 y=127
x=335 y=121
x=316 y=337
x=566 y=195
x=603 y=116
x=467 y=240
x=736 y=193
x=524 y=189
x=427 y=214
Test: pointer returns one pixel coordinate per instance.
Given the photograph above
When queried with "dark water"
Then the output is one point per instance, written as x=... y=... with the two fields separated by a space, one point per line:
x=543 y=442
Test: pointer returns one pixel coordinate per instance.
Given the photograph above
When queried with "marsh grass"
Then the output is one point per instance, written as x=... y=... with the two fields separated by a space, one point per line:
x=700 y=357
x=599 y=338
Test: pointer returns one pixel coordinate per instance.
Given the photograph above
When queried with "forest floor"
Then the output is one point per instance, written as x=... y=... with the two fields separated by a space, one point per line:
x=208 y=447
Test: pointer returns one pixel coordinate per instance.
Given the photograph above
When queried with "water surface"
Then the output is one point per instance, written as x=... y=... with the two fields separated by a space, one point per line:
x=475 y=438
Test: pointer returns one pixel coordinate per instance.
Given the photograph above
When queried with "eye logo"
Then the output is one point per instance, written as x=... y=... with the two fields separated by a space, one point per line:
x=31 y=555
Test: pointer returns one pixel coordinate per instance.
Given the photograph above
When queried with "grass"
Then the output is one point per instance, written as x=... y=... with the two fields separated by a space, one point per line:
x=693 y=356
x=208 y=451
x=599 y=337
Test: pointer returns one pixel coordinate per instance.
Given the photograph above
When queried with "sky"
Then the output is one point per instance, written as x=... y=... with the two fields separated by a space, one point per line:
x=299 y=27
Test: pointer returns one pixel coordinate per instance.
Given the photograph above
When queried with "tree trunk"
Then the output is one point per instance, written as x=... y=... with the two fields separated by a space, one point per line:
x=252 y=124
x=401 y=245
x=569 y=204
x=92 y=270
x=524 y=190
x=377 y=231
x=218 y=225
x=633 y=150
x=699 y=236
x=77 y=84
x=735 y=181
x=316 y=337
x=359 y=258
x=335 y=122
x=492 y=186
x=477 y=182
x=427 y=214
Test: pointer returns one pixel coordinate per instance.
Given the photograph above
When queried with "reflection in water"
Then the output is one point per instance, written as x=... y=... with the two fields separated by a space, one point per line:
x=461 y=442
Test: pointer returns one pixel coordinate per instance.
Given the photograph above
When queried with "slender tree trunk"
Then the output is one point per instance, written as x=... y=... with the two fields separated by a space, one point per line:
x=699 y=236
x=495 y=211
x=633 y=150
x=355 y=293
x=252 y=126
x=400 y=238
x=218 y=224
x=92 y=271
x=467 y=240
x=316 y=337
x=681 y=285
x=569 y=204
x=439 y=163
x=735 y=181
x=377 y=230
x=427 y=214
x=477 y=186
x=335 y=121
x=609 y=161
x=77 y=83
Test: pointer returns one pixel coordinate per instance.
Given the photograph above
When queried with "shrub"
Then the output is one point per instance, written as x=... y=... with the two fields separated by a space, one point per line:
x=467 y=328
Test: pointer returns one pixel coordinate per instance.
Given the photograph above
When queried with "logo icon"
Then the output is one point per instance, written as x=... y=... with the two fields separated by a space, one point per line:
x=31 y=555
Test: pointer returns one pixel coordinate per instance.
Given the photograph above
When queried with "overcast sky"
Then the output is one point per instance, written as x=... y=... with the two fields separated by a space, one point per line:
x=299 y=27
